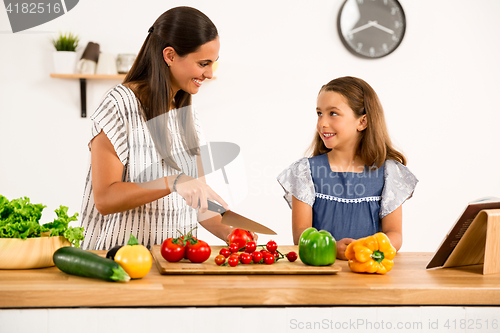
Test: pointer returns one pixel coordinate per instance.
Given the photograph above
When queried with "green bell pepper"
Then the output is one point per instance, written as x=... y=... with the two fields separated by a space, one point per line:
x=317 y=248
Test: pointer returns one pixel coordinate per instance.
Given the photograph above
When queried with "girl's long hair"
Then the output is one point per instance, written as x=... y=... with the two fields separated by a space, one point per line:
x=185 y=29
x=374 y=145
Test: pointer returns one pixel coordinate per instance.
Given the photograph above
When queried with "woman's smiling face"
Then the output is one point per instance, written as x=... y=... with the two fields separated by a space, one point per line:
x=337 y=124
x=190 y=71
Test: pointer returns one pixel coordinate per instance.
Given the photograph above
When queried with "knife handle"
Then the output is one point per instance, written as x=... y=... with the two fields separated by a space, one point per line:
x=214 y=207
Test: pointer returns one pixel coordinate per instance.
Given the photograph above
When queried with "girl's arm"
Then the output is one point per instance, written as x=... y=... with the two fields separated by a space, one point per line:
x=392 y=226
x=111 y=195
x=301 y=218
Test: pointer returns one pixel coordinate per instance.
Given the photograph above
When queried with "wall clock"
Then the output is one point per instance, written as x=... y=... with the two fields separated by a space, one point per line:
x=371 y=28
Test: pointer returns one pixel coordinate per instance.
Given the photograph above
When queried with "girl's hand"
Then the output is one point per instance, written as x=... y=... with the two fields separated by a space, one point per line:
x=195 y=192
x=342 y=246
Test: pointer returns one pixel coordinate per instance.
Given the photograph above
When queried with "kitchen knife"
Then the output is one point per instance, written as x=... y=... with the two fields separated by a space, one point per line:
x=236 y=220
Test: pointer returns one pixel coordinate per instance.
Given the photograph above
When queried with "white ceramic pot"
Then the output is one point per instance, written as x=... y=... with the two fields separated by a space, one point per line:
x=64 y=62
x=106 y=64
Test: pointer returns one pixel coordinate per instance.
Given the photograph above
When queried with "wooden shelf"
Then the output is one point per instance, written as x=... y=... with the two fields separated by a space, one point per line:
x=89 y=76
x=83 y=84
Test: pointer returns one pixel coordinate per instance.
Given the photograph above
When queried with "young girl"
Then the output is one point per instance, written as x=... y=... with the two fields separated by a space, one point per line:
x=355 y=182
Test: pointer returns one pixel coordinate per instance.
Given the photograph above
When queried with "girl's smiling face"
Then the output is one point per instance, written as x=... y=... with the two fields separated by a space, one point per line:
x=337 y=124
x=190 y=71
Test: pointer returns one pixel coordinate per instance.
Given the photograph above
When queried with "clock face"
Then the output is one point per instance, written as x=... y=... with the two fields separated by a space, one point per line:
x=371 y=28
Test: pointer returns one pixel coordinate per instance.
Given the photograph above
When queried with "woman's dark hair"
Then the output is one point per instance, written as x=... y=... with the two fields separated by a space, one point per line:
x=184 y=29
x=374 y=145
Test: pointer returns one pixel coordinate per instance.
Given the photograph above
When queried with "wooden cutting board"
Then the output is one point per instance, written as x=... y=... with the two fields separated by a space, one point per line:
x=283 y=266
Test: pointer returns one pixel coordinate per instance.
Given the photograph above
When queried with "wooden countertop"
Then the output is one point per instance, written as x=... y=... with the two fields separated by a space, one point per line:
x=407 y=284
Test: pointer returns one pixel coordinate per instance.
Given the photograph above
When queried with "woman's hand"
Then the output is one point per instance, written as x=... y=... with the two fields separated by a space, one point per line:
x=195 y=192
x=253 y=234
x=342 y=246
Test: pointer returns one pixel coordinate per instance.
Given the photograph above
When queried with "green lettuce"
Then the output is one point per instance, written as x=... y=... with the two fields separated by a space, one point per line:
x=19 y=218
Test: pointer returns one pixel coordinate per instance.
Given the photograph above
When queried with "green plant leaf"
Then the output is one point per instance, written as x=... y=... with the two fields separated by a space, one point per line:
x=66 y=42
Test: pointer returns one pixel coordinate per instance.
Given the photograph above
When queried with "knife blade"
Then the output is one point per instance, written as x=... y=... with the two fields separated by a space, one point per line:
x=237 y=221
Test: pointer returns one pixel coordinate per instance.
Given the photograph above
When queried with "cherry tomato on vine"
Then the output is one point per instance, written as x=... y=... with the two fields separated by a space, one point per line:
x=250 y=246
x=245 y=258
x=220 y=259
x=234 y=247
x=269 y=259
x=276 y=255
x=257 y=256
x=264 y=252
x=225 y=252
x=271 y=246
x=233 y=261
x=291 y=256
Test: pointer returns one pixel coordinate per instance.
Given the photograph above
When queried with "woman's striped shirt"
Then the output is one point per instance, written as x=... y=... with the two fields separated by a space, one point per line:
x=119 y=116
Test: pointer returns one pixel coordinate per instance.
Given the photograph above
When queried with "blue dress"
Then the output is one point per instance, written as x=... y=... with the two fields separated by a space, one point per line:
x=347 y=204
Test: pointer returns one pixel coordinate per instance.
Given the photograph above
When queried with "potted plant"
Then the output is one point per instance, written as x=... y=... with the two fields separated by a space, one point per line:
x=65 y=55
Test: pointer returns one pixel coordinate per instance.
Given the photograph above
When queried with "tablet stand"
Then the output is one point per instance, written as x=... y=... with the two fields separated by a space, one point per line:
x=480 y=244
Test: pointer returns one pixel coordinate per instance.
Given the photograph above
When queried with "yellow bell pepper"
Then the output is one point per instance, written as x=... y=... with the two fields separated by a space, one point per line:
x=372 y=254
x=135 y=259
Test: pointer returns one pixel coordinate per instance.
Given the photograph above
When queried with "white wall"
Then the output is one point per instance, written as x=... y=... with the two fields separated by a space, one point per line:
x=438 y=89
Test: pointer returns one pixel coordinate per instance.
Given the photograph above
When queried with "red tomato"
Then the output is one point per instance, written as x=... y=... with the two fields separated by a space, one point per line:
x=269 y=259
x=264 y=252
x=250 y=246
x=240 y=237
x=220 y=259
x=233 y=247
x=276 y=255
x=291 y=256
x=225 y=252
x=257 y=256
x=172 y=250
x=271 y=246
x=245 y=258
x=233 y=261
x=198 y=252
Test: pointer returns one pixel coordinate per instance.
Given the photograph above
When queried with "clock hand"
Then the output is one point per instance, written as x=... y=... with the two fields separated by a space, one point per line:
x=363 y=27
x=381 y=27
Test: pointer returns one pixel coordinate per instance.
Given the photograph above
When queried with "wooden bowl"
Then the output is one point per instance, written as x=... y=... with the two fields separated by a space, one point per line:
x=16 y=253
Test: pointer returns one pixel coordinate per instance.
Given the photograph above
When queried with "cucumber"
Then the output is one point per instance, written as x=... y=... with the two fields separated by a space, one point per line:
x=75 y=261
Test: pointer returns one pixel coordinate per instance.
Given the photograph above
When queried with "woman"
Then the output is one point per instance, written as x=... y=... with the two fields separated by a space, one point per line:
x=145 y=175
